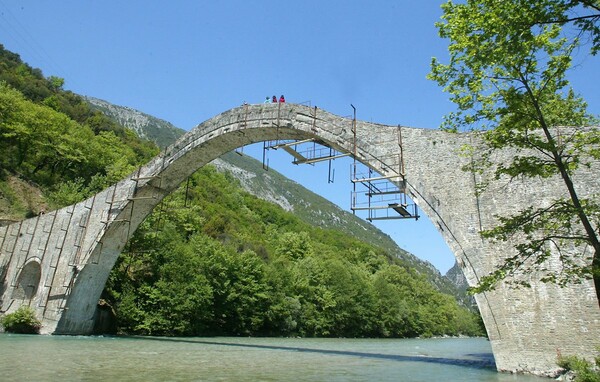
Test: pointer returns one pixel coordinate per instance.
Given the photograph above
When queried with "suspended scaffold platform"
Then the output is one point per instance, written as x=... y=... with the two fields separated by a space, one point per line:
x=382 y=196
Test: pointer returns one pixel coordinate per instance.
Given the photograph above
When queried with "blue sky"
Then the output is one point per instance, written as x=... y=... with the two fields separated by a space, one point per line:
x=186 y=61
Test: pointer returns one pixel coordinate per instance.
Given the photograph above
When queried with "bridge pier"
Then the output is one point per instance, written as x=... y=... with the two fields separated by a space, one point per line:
x=69 y=253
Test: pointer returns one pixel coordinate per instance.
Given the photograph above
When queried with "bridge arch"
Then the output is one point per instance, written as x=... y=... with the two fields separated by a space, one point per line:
x=77 y=246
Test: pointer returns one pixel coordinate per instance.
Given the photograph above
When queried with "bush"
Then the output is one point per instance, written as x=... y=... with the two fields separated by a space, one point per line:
x=23 y=320
x=584 y=370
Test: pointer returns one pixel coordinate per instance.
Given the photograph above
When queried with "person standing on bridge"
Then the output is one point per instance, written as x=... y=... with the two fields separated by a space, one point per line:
x=274 y=99
x=268 y=100
x=282 y=99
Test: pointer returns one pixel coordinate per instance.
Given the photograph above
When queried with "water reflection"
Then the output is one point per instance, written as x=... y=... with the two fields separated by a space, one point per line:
x=81 y=358
x=476 y=360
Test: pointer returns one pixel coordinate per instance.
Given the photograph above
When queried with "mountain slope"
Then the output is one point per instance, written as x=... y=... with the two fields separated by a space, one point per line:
x=217 y=260
x=157 y=130
x=310 y=207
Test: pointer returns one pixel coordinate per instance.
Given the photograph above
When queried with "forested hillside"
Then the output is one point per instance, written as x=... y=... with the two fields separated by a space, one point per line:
x=216 y=260
x=212 y=259
x=53 y=142
x=318 y=211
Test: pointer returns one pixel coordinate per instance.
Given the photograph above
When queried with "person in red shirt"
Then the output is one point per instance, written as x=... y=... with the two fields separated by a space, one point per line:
x=282 y=99
x=274 y=99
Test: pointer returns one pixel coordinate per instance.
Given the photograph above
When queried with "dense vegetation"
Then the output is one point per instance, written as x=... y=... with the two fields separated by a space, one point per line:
x=216 y=260
x=584 y=370
x=212 y=259
x=23 y=320
x=51 y=137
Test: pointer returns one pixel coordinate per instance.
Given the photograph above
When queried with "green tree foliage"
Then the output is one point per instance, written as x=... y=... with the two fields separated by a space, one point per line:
x=214 y=260
x=584 y=370
x=508 y=77
x=52 y=150
x=51 y=137
x=40 y=141
x=23 y=320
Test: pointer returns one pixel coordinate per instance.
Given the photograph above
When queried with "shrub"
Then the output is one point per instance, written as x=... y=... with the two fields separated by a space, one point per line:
x=584 y=370
x=23 y=320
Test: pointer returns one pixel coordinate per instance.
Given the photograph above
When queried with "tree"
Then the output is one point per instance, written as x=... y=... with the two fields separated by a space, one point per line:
x=56 y=83
x=508 y=77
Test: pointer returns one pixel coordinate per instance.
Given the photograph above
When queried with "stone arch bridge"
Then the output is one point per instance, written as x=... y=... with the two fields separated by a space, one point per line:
x=58 y=263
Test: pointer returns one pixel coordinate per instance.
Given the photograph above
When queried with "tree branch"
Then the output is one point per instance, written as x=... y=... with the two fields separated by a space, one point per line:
x=568 y=20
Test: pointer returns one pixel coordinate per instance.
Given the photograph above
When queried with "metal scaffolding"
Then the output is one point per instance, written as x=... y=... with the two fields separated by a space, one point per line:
x=379 y=189
x=381 y=193
x=306 y=151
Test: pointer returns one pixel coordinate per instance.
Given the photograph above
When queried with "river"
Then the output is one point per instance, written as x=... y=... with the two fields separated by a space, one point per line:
x=81 y=358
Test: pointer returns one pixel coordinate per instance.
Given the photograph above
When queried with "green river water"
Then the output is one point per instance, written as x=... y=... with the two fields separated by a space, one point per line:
x=80 y=358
